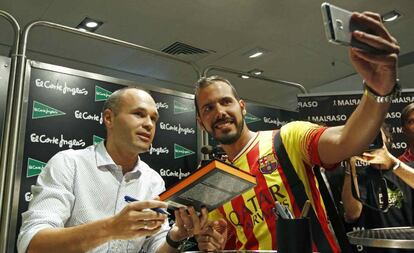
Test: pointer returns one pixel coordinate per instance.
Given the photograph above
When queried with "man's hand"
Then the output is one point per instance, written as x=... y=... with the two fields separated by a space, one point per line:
x=136 y=219
x=379 y=158
x=213 y=236
x=378 y=70
x=188 y=223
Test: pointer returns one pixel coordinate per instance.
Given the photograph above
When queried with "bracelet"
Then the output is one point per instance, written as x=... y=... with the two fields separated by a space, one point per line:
x=395 y=93
x=172 y=243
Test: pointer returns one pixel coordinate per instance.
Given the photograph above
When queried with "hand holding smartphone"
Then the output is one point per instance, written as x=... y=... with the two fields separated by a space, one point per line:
x=339 y=27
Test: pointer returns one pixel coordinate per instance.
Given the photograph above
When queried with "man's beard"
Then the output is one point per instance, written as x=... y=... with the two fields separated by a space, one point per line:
x=227 y=139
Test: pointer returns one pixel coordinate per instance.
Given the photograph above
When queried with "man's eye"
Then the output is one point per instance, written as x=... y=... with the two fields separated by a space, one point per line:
x=226 y=101
x=208 y=108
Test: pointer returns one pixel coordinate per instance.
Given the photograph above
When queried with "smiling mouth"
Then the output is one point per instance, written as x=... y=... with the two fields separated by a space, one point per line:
x=223 y=123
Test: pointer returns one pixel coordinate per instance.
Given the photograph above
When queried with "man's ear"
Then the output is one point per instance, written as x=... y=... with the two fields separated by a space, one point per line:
x=108 y=118
x=200 y=124
x=243 y=106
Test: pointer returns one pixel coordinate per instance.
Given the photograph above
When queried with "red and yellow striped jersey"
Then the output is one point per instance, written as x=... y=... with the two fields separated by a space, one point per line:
x=250 y=216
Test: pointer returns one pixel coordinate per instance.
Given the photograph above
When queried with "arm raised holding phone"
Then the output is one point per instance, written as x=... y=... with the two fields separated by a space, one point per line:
x=379 y=72
x=220 y=112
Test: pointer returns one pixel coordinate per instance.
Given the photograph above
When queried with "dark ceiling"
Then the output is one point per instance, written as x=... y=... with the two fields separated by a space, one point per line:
x=290 y=32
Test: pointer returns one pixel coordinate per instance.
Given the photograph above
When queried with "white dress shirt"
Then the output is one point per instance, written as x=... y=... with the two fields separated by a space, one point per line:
x=81 y=186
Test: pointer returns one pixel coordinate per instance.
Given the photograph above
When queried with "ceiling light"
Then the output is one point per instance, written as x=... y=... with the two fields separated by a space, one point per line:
x=254 y=52
x=255 y=55
x=256 y=72
x=89 y=24
x=82 y=29
x=244 y=76
x=391 y=16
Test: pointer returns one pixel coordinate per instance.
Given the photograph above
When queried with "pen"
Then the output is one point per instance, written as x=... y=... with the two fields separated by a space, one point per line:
x=130 y=199
x=289 y=214
x=281 y=211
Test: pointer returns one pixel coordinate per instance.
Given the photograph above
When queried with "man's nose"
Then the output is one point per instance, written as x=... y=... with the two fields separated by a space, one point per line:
x=148 y=123
x=220 y=110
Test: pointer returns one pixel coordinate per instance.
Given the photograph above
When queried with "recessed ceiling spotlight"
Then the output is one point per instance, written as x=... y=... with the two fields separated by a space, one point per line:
x=89 y=24
x=256 y=72
x=391 y=16
x=244 y=76
x=254 y=53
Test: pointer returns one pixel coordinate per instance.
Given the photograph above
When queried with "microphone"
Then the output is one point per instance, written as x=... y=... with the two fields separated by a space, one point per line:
x=207 y=149
x=214 y=151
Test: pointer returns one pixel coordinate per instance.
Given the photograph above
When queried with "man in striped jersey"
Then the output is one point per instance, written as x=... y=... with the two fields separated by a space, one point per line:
x=247 y=222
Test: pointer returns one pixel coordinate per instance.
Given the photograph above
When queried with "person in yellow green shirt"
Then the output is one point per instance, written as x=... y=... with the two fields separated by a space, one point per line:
x=247 y=222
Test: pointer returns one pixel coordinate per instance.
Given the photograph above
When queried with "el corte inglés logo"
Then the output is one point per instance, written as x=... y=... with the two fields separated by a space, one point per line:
x=34 y=167
x=43 y=111
x=250 y=118
x=182 y=108
x=101 y=94
x=97 y=139
x=180 y=151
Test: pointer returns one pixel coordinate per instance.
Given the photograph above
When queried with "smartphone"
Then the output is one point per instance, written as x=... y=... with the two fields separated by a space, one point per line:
x=339 y=26
x=377 y=143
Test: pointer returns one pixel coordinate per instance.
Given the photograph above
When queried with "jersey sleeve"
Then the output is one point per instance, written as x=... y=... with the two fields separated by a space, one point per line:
x=301 y=138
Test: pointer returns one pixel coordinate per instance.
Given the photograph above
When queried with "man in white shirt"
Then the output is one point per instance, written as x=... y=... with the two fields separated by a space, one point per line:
x=78 y=202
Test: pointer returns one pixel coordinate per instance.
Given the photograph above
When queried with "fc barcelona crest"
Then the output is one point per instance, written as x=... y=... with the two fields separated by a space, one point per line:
x=267 y=164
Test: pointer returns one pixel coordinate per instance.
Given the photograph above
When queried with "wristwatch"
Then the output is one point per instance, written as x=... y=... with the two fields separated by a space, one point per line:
x=396 y=165
x=395 y=93
x=172 y=243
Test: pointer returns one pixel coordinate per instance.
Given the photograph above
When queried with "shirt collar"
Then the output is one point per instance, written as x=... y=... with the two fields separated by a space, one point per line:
x=102 y=156
x=409 y=154
x=104 y=161
x=245 y=147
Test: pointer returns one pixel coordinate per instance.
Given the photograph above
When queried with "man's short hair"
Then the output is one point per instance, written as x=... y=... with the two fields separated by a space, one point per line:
x=113 y=101
x=405 y=113
x=207 y=81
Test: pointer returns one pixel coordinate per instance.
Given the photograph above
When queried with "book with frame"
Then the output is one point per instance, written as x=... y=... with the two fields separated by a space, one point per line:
x=211 y=186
